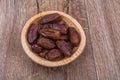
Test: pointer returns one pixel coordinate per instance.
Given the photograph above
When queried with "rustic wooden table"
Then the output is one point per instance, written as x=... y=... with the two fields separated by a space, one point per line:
x=100 y=20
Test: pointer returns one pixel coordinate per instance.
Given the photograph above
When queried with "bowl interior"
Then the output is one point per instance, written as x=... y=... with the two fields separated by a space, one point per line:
x=71 y=22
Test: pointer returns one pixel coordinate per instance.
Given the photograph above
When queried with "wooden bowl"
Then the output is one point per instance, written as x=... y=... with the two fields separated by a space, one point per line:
x=71 y=22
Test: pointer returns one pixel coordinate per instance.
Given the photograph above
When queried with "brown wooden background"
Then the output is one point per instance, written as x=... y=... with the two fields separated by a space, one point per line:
x=100 y=20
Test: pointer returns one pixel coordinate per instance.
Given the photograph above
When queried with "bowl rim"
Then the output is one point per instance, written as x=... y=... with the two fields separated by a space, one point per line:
x=42 y=61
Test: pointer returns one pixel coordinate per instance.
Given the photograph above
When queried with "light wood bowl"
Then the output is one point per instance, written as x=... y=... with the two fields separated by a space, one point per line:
x=71 y=22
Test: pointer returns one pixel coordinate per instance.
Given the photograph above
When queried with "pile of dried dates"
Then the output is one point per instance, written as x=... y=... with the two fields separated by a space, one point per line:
x=52 y=38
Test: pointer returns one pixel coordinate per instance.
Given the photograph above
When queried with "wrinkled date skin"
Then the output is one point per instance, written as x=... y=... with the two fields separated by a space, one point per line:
x=50 y=33
x=36 y=48
x=62 y=28
x=46 y=43
x=74 y=36
x=32 y=33
x=54 y=54
x=64 y=47
x=50 y=18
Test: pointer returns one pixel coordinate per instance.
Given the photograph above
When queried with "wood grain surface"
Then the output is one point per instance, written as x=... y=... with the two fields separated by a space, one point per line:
x=100 y=20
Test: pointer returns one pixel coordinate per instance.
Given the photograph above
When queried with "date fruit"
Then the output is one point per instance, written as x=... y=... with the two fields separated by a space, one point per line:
x=64 y=47
x=74 y=36
x=36 y=48
x=50 y=18
x=32 y=33
x=43 y=53
x=62 y=28
x=46 y=43
x=54 y=54
x=50 y=33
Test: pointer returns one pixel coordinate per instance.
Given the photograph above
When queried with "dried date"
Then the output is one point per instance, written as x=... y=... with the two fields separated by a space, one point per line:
x=43 y=53
x=50 y=18
x=32 y=33
x=50 y=33
x=64 y=47
x=54 y=54
x=62 y=28
x=74 y=36
x=46 y=43
x=36 y=48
